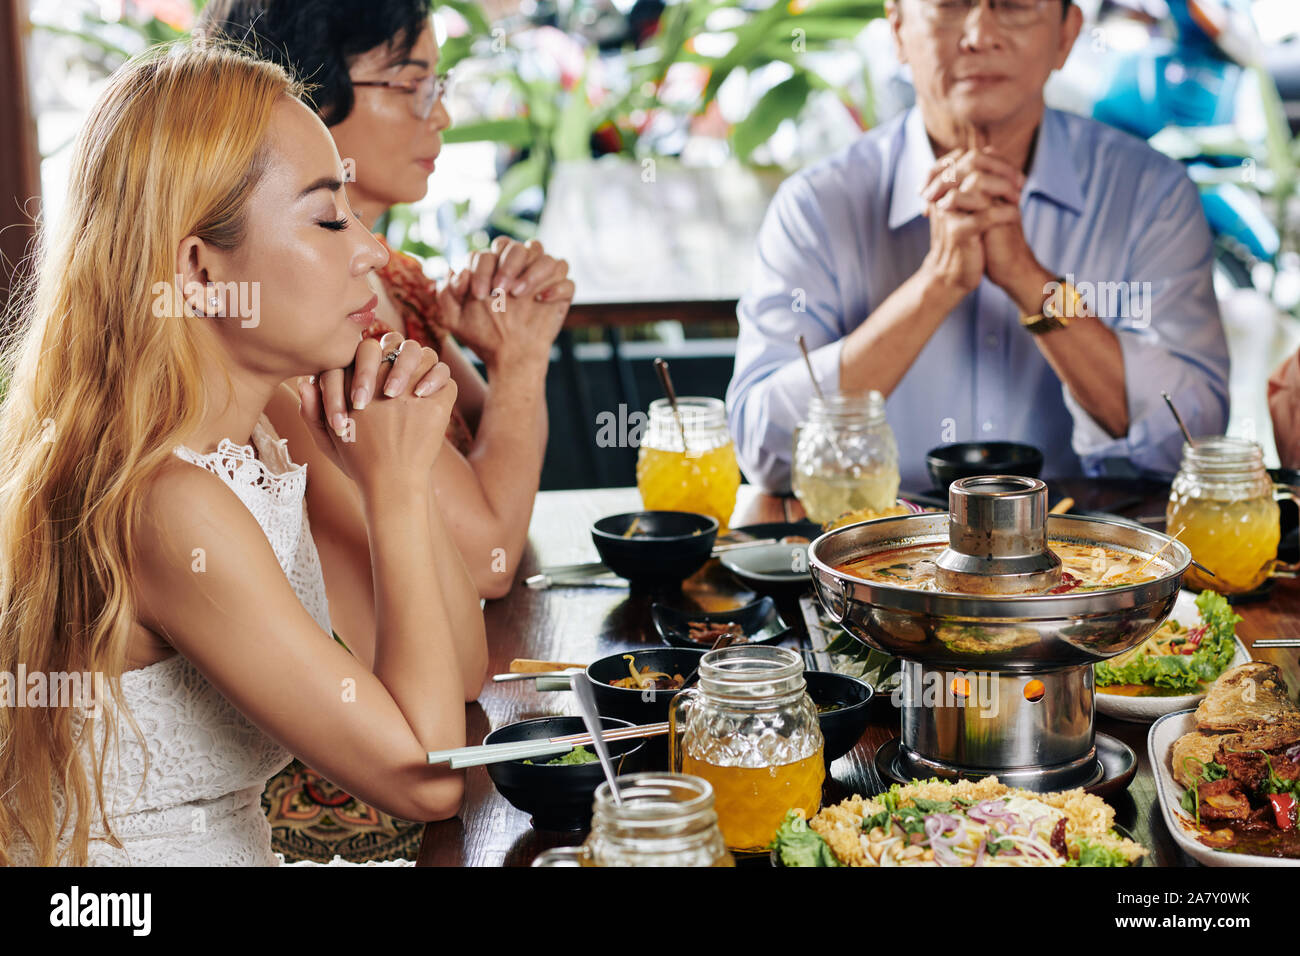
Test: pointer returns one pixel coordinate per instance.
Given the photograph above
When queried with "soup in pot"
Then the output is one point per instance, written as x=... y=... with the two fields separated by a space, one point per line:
x=1084 y=567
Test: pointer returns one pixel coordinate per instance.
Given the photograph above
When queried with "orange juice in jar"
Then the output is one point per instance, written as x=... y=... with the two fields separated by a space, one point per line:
x=751 y=731
x=1223 y=506
x=752 y=801
x=699 y=475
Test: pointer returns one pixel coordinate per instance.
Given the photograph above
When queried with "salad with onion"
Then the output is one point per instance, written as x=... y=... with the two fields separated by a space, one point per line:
x=933 y=823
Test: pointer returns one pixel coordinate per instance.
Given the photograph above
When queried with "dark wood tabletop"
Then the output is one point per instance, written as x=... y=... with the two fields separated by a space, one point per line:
x=579 y=625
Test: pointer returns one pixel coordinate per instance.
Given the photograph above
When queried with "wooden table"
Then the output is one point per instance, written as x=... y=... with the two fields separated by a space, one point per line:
x=582 y=624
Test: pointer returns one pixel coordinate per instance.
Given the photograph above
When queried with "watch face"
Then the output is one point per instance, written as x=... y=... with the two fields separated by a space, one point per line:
x=1063 y=304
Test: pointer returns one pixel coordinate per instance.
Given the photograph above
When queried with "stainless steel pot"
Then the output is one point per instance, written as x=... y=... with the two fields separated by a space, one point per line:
x=998 y=643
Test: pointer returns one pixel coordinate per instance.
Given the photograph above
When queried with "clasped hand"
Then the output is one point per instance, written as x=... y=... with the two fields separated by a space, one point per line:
x=972 y=198
x=509 y=302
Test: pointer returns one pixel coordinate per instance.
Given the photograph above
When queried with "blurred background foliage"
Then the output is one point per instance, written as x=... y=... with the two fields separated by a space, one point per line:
x=544 y=82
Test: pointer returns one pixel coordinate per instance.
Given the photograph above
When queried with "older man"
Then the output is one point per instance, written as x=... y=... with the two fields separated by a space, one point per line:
x=995 y=268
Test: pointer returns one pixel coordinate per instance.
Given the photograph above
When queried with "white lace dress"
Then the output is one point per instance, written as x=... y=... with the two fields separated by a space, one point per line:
x=199 y=804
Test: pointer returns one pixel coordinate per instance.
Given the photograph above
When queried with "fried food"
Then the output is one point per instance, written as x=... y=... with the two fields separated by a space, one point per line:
x=1248 y=697
x=1190 y=754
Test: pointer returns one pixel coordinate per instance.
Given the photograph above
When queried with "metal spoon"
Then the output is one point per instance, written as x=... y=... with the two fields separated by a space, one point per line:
x=803 y=347
x=1178 y=418
x=662 y=368
x=835 y=446
x=590 y=717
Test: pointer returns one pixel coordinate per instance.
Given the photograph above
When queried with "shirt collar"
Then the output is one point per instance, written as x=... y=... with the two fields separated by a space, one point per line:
x=1052 y=175
x=915 y=160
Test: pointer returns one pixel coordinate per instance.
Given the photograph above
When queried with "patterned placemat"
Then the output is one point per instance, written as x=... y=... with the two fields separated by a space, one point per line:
x=311 y=819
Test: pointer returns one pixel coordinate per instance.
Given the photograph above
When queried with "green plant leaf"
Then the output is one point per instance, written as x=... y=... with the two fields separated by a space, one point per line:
x=572 y=137
x=822 y=29
x=522 y=175
x=515 y=226
x=514 y=131
x=781 y=102
x=453 y=51
x=472 y=12
x=749 y=37
x=85 y=36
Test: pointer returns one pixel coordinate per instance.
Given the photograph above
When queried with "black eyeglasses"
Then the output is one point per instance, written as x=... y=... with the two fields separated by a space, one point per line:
x=1012 y=14
x=427 y=89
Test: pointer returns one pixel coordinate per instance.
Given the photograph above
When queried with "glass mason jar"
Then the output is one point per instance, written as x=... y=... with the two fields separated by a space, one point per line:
x=845 y=457
x=750 y=729
x=666 y=819
x=1223 y=506
x=701 y=477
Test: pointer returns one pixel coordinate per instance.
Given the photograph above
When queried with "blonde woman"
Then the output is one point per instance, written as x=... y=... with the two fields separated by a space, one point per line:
x=152 y=526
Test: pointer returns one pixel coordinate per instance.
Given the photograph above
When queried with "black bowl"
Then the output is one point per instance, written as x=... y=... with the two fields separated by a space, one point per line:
x=760 y=621
x=842 y=728
x=559 y=797
x=968 y=459
x=669 y=547
x=639 y=707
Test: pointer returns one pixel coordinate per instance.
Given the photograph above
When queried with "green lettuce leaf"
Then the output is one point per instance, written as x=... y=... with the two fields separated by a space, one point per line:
x=798 y=844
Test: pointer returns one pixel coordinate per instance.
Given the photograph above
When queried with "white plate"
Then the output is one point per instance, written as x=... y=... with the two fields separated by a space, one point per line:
x=1169 y=794
x=1146 y=709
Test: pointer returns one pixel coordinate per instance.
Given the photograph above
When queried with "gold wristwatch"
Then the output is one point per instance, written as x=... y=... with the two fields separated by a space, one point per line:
x=1061 y=304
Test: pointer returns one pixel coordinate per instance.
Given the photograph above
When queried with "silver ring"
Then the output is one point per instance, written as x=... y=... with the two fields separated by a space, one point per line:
x=391 y=356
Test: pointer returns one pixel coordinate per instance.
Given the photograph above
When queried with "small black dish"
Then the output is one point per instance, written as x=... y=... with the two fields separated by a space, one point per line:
x=968 y=459
x=779 y=570
x=841 y=728
x=760 y=621
x=637 y=706
x=668 y=548
x=558 y=797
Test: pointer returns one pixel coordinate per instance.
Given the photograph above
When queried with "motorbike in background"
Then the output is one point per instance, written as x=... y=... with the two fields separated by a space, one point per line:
x=1197 y=80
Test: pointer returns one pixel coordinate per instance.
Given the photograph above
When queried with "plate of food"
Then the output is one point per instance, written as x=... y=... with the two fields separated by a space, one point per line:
x=1172 y=669
x=756 y=623
x=1228 y=773
x=967 y=823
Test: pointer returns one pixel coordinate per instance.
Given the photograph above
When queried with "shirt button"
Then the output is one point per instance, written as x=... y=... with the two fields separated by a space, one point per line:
x=991 y=340
x=987 y=426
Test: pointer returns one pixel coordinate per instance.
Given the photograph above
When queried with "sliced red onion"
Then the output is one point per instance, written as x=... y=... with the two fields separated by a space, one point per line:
x=989 y=811
x=1293 y=753
x=936 y=825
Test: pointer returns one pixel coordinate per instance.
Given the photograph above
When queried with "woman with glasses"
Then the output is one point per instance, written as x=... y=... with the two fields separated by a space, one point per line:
x=372 y=71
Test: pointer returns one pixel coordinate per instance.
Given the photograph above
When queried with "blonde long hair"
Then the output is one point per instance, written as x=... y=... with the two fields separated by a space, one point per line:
x=100 y=391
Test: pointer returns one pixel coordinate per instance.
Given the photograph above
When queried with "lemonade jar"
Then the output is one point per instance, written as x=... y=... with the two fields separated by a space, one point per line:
x=701 y=477
x=665 y=819
x=845 y=457
x=750 y=729
x=1223 y=506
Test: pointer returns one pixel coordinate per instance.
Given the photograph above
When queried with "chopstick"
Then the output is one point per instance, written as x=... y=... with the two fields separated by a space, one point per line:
x=526 y=665
x=533 y=675
x=462 y=757
x=1062 y=506
x=1159 y=550
x=1278 y=642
